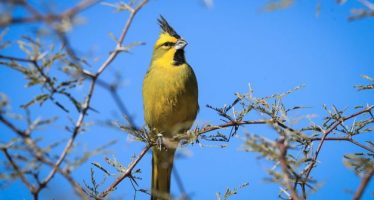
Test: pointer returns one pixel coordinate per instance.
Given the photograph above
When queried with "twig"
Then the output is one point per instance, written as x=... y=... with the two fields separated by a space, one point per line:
x=283 y=162
x=345 y=139
x=16 y=59
x=204 y=130
x=113 y=90
x=325 y=134
x=39 y=156
x=50 y=19
x=83 y=5
x=18 y=171
x=127 y=173
x=70 y=143
x=234 y=123
x=86 y=105
x=328 y=131
x=65 y=173
x=363 y=184
x=36 y=65
x=37 y=17
x=180 y=183
x=47 y=80
x=12 y=126
x=125 y=29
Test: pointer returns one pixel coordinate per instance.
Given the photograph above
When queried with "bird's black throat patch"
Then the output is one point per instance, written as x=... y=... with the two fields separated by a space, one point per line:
x=179 y=57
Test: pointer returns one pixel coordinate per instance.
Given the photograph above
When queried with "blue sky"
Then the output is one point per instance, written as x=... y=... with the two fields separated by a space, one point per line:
x=230 y=46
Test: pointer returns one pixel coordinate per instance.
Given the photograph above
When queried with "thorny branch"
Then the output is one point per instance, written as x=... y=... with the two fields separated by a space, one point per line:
x=69 y=145
x=283 y=162
x=37 y=17
x=113 y=89
x=364 y=182
x=46 y=79
x=282 y=147
x=349 y=139
x=18 y=171
x=325 y=134
x=40 y=156
x=127 y=173
x=234 y=123
x=86 y=104
x=300 y=136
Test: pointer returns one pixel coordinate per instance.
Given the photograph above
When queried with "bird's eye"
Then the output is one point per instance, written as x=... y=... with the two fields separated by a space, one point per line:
x=168 y=44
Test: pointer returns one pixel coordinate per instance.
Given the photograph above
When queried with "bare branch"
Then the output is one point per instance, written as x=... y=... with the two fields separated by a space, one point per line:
x=15 y=59
x=364 y=183
x=125 y=29
x=325 y=134
x=283 y=162
x=113 y=90
x=39 y=156
x=12 y=126
x=18 y=171
x=345 y=139
x=83 y=5
x=37 y=17
x=70 y=143
x=180 y=185
x=87 y=102
x=229 y=124
x=127 y=173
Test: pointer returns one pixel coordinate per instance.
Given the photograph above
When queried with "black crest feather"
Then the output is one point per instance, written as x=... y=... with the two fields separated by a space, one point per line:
x=167 y=28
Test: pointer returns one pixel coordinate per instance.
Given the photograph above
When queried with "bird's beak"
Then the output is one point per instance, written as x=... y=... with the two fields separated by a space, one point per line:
x=180 y=44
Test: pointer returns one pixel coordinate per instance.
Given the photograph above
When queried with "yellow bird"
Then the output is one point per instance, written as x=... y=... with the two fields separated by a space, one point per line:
x=170 y=100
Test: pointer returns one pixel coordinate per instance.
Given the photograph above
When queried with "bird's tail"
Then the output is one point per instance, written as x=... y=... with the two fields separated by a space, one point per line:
x=162 y=164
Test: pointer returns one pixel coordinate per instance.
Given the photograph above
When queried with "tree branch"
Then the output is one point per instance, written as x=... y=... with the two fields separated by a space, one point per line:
x=325 y=134
x=127 y=173
x=113 y=55
x=12 y=126
x=364 y=183
x=18 y=171
x=207 y=129
x=345 y=139
x=76 y=130
x=37 y=152
x=87 y=102
x=113 y=90
x=283 y=162
x=37 y=17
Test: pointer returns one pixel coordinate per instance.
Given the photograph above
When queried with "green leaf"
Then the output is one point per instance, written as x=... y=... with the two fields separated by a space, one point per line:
x=276 y=5
x=38 y=99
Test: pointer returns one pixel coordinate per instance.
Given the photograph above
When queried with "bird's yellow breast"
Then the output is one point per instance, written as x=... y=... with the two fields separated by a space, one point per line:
x=170 y=97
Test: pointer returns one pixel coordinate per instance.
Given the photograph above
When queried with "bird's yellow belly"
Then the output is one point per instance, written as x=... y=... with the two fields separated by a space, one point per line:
x=170 y=102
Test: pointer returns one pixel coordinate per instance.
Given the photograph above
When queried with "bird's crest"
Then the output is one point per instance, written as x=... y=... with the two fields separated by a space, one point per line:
x=167 y=28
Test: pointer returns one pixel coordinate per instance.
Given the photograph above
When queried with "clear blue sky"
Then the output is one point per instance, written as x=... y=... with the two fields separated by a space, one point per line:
x=230 y=45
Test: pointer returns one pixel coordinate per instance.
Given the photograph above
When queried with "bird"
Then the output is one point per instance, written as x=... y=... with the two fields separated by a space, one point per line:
x=170 y=102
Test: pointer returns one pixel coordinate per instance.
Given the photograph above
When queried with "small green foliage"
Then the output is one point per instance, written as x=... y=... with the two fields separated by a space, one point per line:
x=3 y=102
x=92 y=190
x=38 y=99
x=101 y=168
x=54 y=68
x=278 y=4
x=265 y=147
x=360 y=163
x=116 y=164
x=231 y=192
x=120 y=5
x=368 y=86
x=300 y=158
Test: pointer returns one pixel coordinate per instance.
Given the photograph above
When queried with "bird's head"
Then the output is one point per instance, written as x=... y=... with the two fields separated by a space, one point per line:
x=169 y=48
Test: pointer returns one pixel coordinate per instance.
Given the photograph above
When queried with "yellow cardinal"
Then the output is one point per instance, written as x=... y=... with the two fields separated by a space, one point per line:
x=170 y=98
